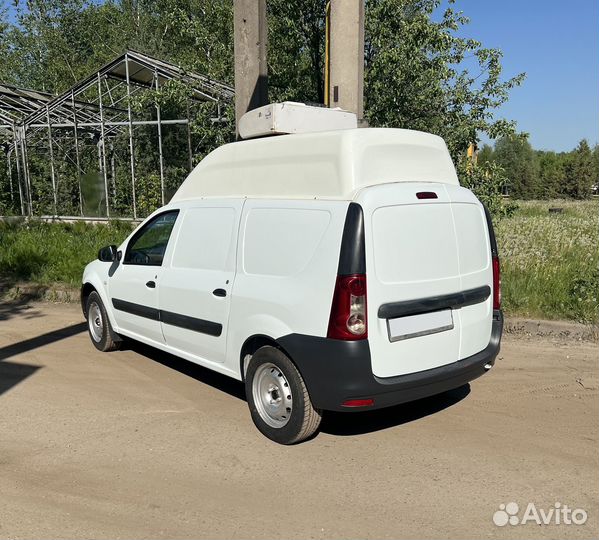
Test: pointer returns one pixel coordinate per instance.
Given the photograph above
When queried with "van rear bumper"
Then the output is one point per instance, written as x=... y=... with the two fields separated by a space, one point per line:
x=335 y=371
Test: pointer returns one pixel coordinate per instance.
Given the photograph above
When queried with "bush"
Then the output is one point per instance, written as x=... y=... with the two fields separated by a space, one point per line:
x=487 y=180
x=48 y=253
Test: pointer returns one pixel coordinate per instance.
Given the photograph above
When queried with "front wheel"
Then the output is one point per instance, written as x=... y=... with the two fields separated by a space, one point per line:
x=100 y=331
x=278 y=398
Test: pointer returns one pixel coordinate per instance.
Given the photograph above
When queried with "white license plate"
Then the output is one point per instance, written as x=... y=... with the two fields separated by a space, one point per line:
x=412 y=326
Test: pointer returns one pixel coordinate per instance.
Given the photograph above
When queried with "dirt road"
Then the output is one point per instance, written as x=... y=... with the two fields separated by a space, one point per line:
x=138 y=444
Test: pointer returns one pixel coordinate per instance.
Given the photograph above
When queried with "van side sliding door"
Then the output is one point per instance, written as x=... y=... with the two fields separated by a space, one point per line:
x=195 y=292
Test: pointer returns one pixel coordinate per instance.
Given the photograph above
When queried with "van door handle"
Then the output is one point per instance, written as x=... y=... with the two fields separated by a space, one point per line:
x=219 y=292
x=151 y=284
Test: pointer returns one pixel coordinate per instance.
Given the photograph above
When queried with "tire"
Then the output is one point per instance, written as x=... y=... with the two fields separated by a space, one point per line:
x=99 y=328
x=278 y=398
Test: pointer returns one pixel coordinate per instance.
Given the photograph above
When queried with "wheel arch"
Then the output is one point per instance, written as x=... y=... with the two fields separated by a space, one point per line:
x=86 y=289
x=252 y=344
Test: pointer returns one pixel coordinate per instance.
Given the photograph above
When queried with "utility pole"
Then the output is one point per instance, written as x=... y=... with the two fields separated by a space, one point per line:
x=250 y=39
x=345 y=48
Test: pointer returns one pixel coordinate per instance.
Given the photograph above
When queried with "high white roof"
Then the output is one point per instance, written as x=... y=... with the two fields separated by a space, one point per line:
x=331 y=165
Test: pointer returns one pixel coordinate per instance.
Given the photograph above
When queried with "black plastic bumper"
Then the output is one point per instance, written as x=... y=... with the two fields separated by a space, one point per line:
x=335 y=371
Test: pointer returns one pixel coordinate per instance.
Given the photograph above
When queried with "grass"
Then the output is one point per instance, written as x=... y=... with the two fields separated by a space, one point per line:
x=49 y=253
x=550 y=262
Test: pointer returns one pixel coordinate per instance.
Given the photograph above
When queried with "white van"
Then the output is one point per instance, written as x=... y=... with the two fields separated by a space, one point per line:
x=344 y=270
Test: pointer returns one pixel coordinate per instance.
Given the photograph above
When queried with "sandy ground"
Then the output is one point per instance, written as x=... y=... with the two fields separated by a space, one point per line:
x=138 y=444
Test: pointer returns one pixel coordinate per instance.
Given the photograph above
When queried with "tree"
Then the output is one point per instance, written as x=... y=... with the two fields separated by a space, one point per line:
x=551 y=174
x=58 y=42
x=296 y=40
x=519 y=162
x=580 y=172
x=487 y=179
x=414 y=77
x=485 y=154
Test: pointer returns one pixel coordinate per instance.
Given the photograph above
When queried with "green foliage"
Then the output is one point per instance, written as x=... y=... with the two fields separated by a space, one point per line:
x=551 y=174
x=211 y=132
x=415 y=75
x=550 y=262
x=517 y=158
x=49 y=253
x=580 y=172
x=487 y=180
x=544 y=174
x=8 y=200
x=148 y=194
x=55 y=44
x=296 y=36
x=59 y=42
x=485 y=154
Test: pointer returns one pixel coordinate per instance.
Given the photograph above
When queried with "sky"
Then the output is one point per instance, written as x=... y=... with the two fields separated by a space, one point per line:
x=556 y=43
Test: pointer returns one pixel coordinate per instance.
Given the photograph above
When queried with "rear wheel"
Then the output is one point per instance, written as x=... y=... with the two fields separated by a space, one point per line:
x=278 y=398
x=100 y=331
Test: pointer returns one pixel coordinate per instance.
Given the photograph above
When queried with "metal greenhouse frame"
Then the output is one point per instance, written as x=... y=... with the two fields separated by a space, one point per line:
x=96 y=108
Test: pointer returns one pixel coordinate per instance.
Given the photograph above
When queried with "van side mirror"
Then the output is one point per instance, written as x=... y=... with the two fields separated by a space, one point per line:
x=108 y=254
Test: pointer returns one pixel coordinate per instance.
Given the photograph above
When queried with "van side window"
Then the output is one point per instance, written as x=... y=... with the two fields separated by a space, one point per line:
x=148 y=245
x=204 y=240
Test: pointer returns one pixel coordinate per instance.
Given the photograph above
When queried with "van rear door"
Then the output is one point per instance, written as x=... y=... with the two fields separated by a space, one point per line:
x=429 y=276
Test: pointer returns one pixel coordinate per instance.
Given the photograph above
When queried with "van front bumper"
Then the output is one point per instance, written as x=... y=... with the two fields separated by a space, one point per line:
x=335 y=371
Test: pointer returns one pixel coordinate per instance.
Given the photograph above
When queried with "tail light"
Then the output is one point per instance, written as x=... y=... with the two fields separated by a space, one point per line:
x=348 y=311
x=496 y=283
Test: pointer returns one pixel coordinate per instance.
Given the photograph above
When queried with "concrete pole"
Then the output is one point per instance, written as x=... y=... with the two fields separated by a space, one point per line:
x=250 y=40
x=346 y=77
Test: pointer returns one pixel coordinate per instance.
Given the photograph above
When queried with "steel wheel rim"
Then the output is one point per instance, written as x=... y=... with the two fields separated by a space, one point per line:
x=95 y=322
x=272 y=395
